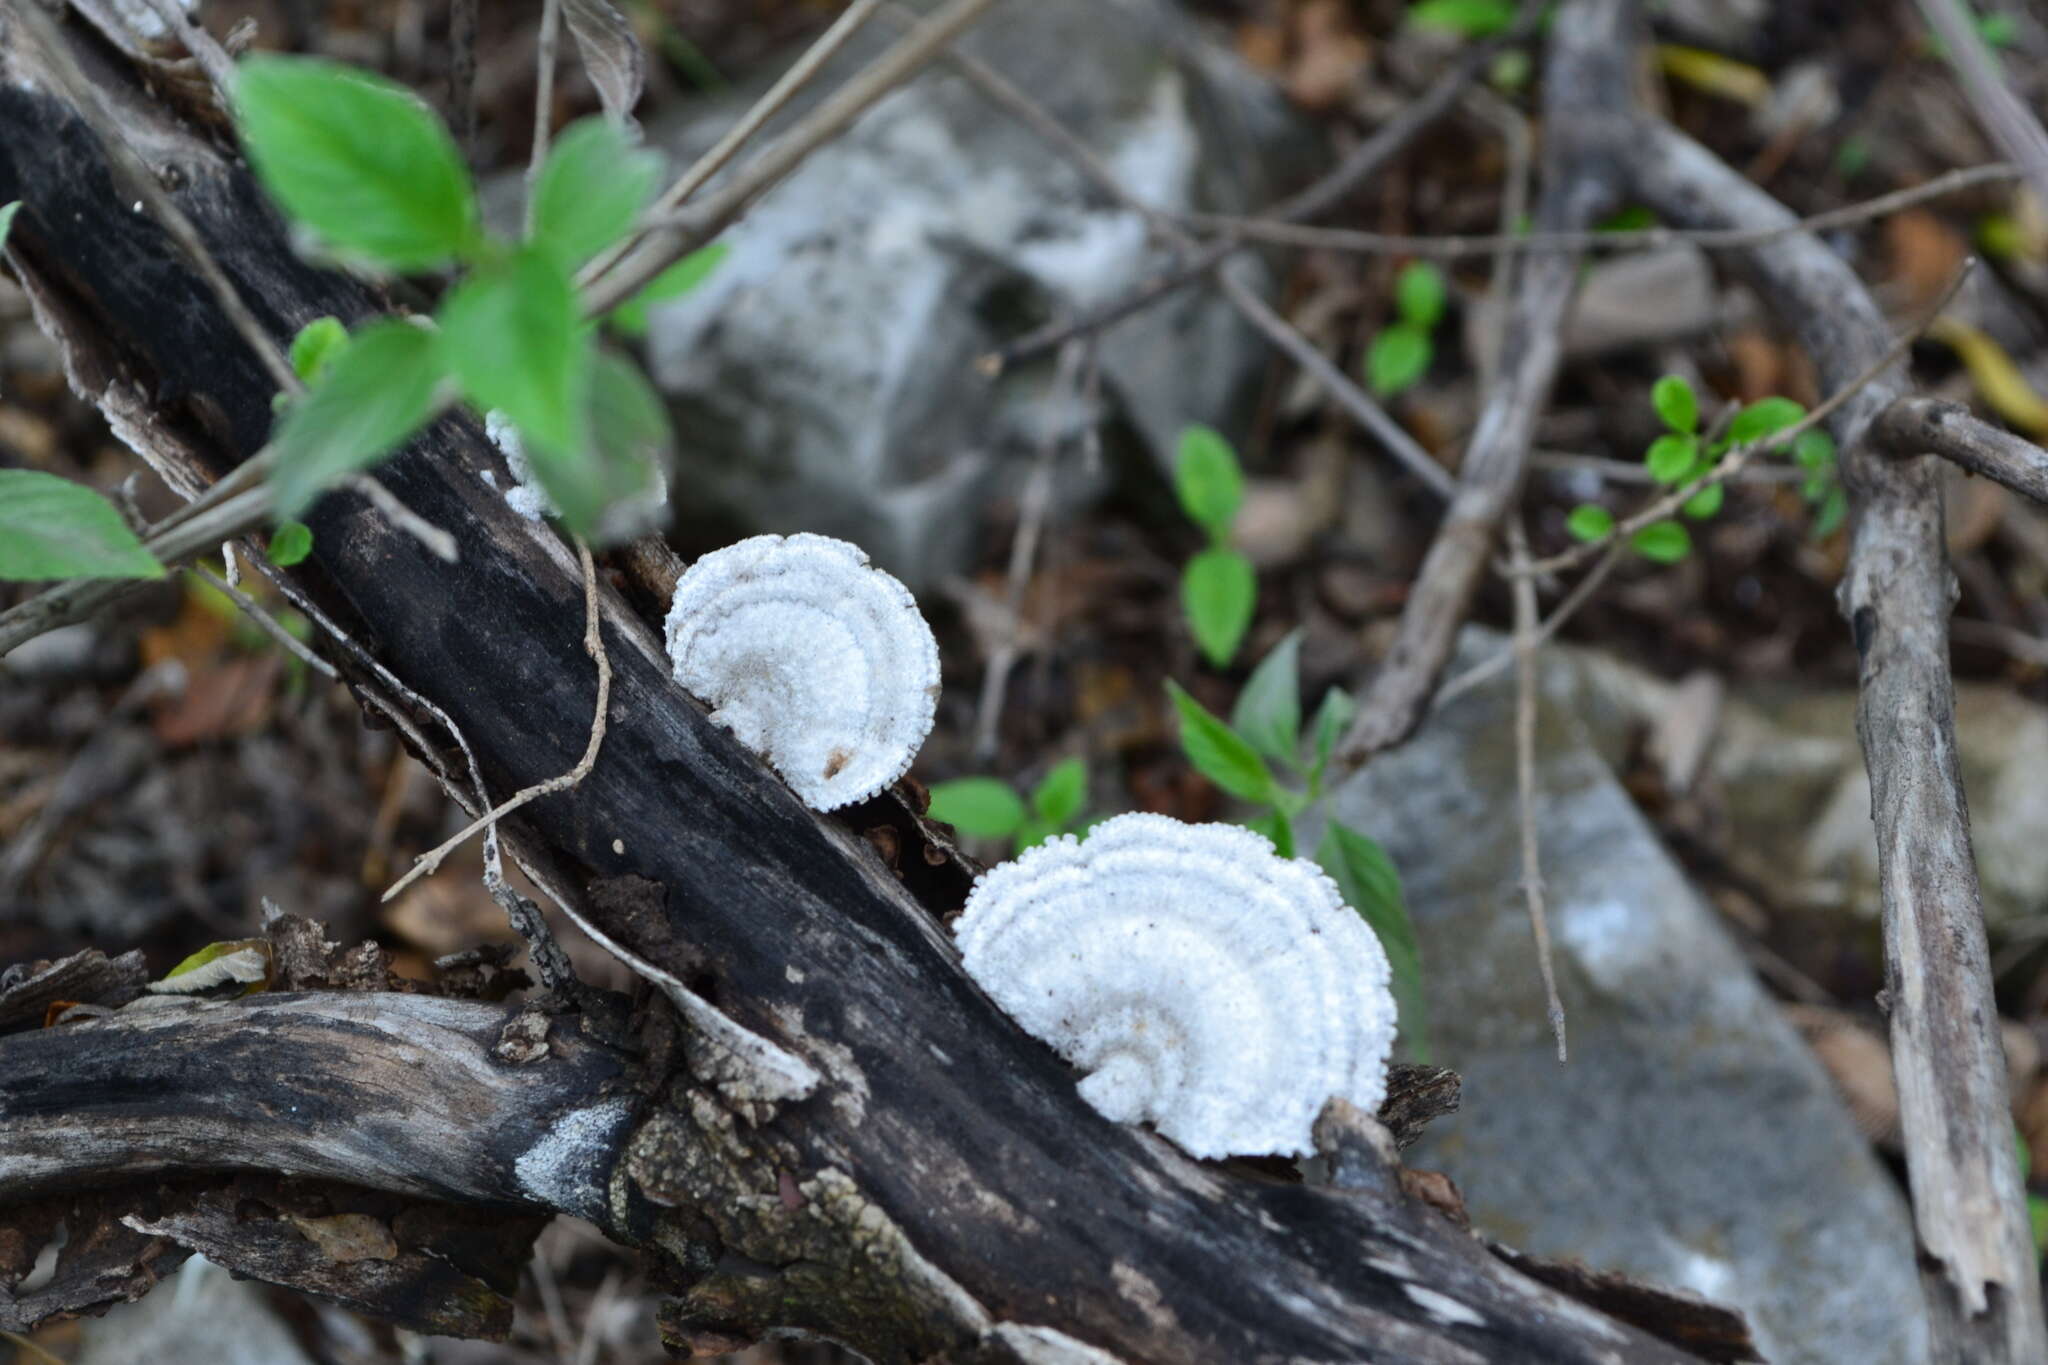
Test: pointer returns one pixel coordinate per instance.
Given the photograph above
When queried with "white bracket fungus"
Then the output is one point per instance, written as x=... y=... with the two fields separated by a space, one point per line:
x=1204 y=982
x=813 y=658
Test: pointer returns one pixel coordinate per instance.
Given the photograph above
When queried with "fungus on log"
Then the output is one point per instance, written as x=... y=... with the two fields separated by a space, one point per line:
x=812 y=657
x=1206 y=983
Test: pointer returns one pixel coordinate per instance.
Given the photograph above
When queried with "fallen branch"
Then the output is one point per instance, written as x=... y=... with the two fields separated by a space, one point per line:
x=1979 y=1266
x=1586 y=121
x=1929 y=426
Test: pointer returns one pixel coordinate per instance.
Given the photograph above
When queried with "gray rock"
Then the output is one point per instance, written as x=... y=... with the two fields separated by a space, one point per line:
x=824 y=377
x=203 y=1314
x=1692 y=1139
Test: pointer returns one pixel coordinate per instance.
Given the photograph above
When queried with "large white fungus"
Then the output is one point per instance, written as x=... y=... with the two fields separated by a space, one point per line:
x=812 y=657
x=1204 y=982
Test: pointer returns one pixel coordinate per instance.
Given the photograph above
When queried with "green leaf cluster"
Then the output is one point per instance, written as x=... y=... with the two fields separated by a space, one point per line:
x=1217 y=587
x=1466 y=18
x=1266 y=731
x=372 y=175
x=989 y=808
x=1400 y=354
x=1683 y=454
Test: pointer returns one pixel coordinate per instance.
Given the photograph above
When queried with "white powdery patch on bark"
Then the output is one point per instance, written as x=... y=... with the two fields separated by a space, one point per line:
x=1207 y=984
x=565 y=1168
x=633 y=517
x=813 y=658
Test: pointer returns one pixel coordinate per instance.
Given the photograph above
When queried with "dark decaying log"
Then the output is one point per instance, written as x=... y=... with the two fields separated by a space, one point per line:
x=874 y=1152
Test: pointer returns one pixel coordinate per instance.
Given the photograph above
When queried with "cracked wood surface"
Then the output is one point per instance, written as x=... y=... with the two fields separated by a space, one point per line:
x=942 y=1187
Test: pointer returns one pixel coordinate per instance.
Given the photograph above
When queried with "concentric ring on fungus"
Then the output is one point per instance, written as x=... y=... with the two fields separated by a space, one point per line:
x=813 y=658
x=1204 y=982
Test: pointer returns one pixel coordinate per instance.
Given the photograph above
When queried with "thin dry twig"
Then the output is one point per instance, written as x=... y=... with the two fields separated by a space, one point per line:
x=543 y=97
x=1031 y=511
x=439 y=543
x=1581 y=593
x=680 y=233
x=1268 y=229
x=1733 y=463
x=1525 y=647
x=778 y=95
x=79 y=598
x=2004 y=114
x=1326 y=194
x=462 y=73
x=269 y=624
x=1241 y=296
x=786 y=87
x=2028 y=649
x=1585 y=102
x=593 y=644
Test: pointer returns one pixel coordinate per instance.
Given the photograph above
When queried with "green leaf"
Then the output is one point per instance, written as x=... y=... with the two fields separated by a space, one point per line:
x=1061 y=794
x=979 y=806
x=1706 y=502
x=290 y=543
x=1218 y=590
x=1763 y=417
x=375 y=394
x=1467 y=18
x=1670 y=457
x=1834 y=510
x=630 y=317
x=1276 y=827
x=358 y=159
x=513 y=337
x=1663 y=541
x=1268 y=711
x=630 y=438
x=1218 y=752
x=1813 y=449
x=1033 y=832
x=1397 y=358
x=1419 y=294
x=1673 y=398
x=1207 y=480
x=1590 y=521
x=317 y=346
x=54 y=528
x=1331 y=717
x=1371 y=885
x=7 y=212
x=591 y=188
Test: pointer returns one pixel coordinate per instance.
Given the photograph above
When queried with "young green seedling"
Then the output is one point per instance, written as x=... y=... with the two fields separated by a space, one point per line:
x=989 y=808
x=1218 y=587
x=1265 y=729
x=1400 y=355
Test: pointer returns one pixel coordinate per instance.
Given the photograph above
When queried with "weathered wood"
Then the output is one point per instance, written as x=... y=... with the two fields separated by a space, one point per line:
x=404 y=1093
x=1969 y=1211
x=939 y=1187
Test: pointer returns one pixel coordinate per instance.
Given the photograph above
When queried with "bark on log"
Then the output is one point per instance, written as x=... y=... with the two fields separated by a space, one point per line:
x=873 y=1149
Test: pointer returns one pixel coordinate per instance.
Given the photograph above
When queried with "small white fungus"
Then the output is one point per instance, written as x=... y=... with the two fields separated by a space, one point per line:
x=635 y=516
x=813 y=658
x=1204 y=982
